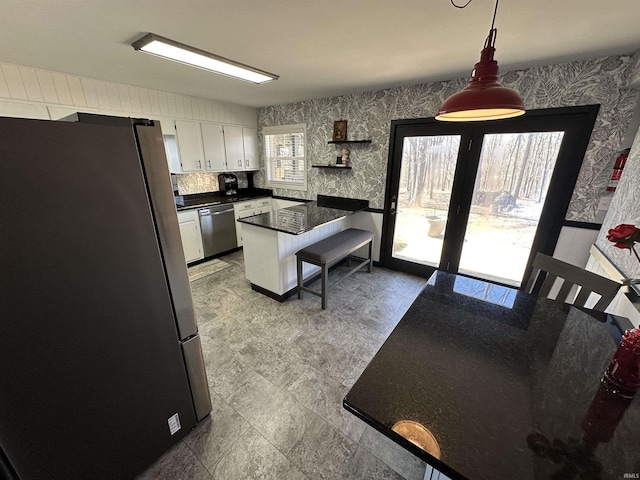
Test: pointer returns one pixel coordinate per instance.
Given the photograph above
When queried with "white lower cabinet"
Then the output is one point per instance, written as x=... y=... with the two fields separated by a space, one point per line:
x=189 y=224
x=247 y=209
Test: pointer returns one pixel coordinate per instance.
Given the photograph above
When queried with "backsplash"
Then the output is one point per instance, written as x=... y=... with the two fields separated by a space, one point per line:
x=598 y=81
x=190 y=183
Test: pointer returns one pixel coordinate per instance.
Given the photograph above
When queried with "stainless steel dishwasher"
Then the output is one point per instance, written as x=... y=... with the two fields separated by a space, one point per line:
x=218 y=229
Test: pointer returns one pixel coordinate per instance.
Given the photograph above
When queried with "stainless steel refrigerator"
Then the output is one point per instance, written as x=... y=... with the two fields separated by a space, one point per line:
x=101 y=368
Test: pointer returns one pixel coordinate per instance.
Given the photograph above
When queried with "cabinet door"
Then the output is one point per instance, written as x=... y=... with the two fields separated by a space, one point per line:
x=215 y=159
x=250 y=143
x=24 y=110
x=191 y=240
x=265 y=204
x=189 y=224
x=241 y=210
x=243 y=214
x=167 y=126
x=171 y=150
x=234 y=147
x=189 y=141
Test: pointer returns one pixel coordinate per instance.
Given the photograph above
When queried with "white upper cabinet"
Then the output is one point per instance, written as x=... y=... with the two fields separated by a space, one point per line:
x=212 y=147
x=189 y=142
x=166 y=126
x=250 y=143
x=213 y=142
x=23 y=110
x=234 y=147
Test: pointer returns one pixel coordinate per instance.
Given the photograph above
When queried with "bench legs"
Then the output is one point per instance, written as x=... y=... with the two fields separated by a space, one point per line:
x=324 y=275
x=323 y=295
x=299 y=266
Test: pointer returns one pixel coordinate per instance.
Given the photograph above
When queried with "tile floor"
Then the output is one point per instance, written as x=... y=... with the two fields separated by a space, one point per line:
x=278 y=373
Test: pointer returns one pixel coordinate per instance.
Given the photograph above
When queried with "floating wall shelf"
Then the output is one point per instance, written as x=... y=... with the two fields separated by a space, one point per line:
x=348 y=141
x=331 y=166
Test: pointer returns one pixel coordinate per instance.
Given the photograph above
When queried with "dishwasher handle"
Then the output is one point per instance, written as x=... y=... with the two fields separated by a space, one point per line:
x=206 y=212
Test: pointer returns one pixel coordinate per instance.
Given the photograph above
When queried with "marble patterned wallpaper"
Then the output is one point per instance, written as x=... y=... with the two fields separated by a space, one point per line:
x=189 y=183
x=597 y=81
x=625 y=208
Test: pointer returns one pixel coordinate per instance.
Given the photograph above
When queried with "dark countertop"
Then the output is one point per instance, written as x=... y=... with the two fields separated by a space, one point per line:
x=198 y=200
x=303 y=218
x=493 y=371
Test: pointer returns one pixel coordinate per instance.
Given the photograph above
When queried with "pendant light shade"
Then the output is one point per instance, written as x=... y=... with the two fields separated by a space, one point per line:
x=484 y=98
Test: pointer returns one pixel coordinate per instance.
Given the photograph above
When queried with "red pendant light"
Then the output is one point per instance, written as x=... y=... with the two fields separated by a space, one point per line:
x=484 y=98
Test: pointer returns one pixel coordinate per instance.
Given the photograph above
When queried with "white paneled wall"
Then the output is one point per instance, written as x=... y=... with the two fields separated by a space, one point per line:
x=621 y=305
x=29 y=92
x=371 y=221
x=290 y=244
x=574 y=244
x=270 y=256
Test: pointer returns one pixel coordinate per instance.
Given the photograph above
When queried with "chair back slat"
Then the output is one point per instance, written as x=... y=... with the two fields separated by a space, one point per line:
x=549 y=280
x=582 y=297
x=565 y=291
x=572 y=275
x=532 y=279
x=603 y=302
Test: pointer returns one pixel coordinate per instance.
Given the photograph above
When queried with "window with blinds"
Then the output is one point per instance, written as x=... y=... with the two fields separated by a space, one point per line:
x=285 y=156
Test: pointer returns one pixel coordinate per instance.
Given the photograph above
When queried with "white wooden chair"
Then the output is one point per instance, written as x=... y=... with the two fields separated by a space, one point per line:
x=550 y=269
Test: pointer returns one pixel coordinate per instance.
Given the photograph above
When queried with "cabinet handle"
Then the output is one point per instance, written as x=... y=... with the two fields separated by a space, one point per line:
x=209 y=162
x=199 y=164
x=239 y=162
x=246 y=162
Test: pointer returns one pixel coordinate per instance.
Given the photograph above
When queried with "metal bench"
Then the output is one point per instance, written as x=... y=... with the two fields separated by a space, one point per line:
x=330 y=251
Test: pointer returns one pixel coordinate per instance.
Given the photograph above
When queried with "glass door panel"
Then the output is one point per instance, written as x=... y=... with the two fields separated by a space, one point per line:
x=426 y=179
x=510 y=190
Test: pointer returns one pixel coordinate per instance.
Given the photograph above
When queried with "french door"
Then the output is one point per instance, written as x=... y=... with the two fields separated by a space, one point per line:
x=481 y=198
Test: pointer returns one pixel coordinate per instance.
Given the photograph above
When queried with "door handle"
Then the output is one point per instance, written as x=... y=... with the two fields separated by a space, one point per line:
x=392 y=210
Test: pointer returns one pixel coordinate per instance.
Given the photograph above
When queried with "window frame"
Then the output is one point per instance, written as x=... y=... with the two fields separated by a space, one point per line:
x=279 y=130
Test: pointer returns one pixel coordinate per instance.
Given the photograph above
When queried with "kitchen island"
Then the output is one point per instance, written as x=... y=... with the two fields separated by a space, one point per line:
x=271 y=240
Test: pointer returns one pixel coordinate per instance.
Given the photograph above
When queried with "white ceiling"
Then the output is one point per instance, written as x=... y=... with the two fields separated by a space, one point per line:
x=320 y=48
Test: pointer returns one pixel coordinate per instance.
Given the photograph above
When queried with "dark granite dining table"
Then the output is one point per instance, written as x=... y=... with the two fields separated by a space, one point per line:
x=507 y=384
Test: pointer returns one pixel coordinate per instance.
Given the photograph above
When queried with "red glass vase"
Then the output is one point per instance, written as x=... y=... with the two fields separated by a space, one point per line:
x=623 y=375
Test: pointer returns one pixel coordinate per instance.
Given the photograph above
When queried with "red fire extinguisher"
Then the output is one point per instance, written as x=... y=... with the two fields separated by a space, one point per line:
x=617 y=170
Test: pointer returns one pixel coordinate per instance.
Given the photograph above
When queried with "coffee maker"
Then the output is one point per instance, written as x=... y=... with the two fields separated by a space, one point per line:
x=228 y=183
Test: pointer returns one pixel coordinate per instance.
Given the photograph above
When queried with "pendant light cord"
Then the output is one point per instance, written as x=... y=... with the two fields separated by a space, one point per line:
x=495 y=10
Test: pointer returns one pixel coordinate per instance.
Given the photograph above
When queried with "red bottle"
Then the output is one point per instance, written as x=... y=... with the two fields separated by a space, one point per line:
x=604 y=414
x=623 y=375
x=617 y=170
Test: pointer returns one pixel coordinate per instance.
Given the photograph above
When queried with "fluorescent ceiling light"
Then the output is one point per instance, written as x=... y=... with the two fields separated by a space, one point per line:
x=165 y=48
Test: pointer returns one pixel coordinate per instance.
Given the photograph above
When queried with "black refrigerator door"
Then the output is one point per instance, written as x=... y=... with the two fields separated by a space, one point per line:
x=91 y=369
